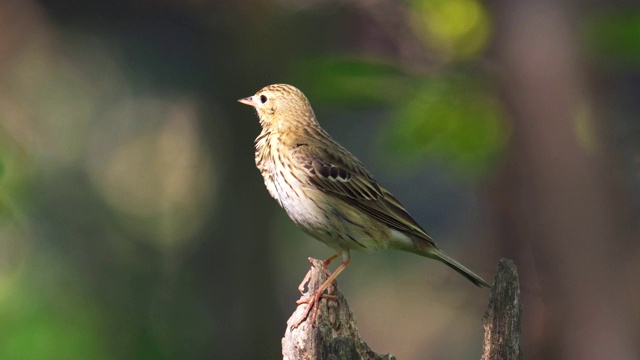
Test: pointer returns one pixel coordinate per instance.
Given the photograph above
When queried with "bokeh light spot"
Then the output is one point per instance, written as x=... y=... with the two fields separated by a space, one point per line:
x=157 y=179
x=458 y=29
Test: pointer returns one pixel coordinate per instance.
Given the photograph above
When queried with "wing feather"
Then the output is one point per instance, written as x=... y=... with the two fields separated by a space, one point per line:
x=340 y=174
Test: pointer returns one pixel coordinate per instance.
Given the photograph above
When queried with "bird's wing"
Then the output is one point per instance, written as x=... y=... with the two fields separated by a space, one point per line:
x=340 y=174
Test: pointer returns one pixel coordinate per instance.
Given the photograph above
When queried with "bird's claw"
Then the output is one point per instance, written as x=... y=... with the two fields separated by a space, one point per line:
x=312 y=303
x=313 y=300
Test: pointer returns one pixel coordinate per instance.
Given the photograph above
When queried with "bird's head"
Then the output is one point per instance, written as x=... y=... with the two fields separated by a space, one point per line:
x=281 y=106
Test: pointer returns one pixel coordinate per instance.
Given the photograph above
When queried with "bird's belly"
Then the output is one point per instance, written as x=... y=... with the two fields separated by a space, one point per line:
x=325 y=217
x=303 y=207
x=332 y=221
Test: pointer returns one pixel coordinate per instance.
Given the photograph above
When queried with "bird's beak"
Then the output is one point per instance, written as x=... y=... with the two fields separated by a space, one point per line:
x=248 y=101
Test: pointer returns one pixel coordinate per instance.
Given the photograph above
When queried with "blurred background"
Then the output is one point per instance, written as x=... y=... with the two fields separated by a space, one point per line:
x=134 y=225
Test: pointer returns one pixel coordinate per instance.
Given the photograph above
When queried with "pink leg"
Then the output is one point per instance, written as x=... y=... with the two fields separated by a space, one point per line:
x=313 y=300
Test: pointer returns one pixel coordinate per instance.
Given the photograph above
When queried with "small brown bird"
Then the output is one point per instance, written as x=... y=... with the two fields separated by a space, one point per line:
x=327 y=191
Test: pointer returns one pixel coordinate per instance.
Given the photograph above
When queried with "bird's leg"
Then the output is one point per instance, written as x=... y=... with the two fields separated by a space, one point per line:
x=324 y=266
x=326 y=269
x=329 y=260
x=312 y=301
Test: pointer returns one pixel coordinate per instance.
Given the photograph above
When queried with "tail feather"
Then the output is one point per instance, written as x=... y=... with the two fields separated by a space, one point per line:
x=441 y=256
x=425 y=246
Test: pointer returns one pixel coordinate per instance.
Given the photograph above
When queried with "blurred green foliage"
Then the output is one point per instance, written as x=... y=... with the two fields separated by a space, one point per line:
x=15 y=176
x=352 y=81
x=451 y=118
x=37 y=328
x=614 y=37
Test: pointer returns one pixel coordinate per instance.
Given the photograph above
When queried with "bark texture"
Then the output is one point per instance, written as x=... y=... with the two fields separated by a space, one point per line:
x=503 y=316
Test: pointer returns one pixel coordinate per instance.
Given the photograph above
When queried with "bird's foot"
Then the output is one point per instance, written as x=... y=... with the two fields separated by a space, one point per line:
x=312 y=304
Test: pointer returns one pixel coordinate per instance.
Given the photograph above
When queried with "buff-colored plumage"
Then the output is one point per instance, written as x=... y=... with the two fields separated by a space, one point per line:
x=326 y=190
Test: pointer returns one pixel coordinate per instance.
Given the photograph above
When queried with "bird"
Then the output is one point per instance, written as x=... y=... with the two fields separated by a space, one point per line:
x=328 y=192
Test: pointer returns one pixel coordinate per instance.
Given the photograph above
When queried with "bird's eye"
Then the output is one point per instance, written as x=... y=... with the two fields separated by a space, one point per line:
x=263 y=99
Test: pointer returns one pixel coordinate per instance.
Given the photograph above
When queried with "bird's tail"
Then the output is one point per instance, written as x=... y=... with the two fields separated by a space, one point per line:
x=439 y=255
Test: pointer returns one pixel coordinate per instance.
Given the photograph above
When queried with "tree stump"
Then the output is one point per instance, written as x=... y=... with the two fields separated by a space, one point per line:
x=502 y=318
x=335 y=335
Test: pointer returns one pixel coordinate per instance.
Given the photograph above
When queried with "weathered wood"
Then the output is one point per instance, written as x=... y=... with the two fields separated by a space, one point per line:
x=503 y=316
x=335 y=334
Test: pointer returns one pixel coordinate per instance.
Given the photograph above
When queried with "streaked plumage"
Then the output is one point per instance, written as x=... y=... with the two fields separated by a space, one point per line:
x=326 y=190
